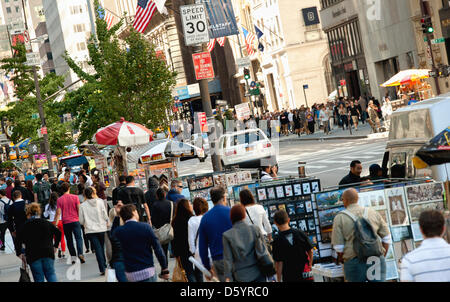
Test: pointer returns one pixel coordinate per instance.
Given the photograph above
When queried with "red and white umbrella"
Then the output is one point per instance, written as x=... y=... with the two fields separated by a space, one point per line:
x=124 y=134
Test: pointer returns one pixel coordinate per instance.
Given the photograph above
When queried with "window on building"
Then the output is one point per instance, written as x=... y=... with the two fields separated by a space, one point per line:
x=81 y=46
x=52 y=71
x=78 y=28
x=6 y=1
x=17 y=9
x=8 y=10
x=76 y=9
x=49 y=56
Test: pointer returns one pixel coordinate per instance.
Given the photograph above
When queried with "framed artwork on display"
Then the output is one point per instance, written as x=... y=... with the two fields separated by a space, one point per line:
x=400 y=233
x=373 y=199
x=396 y=200
x=220 y=180
x=271 y=193
x=306 y=186
x=302 y=225
x=262 y=194
x=297 y=189
x=315 y=186
x=290 y=209
x=288 y=191
x=391 y=270
x=329 y=199
x=192 y=184
x=308 y=205
x=311 y=225
x=293 y=224
x=232 y=179
x=416 y=209
x=282 y=207
x=417 y=234
x=300 y=208
x=247 y=176
x=424 y=193
x=280 y=192
x=272 y=209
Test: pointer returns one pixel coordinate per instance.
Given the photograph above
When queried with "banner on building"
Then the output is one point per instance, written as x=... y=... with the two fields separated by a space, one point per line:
x=222 y=21
x=311 y=16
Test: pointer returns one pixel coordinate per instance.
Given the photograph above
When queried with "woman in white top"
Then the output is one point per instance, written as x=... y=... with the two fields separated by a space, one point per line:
x=256 y=214
x=49 y=213
x=200 y=208
x=95 y=220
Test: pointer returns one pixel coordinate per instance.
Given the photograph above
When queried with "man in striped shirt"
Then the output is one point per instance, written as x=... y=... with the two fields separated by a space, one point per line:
x=431 y=261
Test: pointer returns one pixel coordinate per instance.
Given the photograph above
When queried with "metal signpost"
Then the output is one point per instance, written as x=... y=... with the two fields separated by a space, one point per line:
x=304 y=92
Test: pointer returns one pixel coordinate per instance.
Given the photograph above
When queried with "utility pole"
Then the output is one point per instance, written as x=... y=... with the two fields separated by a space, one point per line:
x=48 y=152
x=428 y=36
x=246 y=80
x=206 y=103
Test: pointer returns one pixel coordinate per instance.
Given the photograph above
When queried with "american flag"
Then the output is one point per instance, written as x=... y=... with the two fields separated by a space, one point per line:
x=249 y=41
x=211 y=44
x=144 y=13
x=109 y=18
x=221 y=41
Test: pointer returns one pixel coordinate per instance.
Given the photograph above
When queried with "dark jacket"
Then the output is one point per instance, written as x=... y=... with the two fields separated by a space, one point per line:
x=138 y=241
x=116 y=248
x=174 y=196
x=37 y=235
x=150 y=195
x=348 y=180
x=180 y=242
x=160 y=212
x=26 y=194
x=16 y=215
x=133 y=195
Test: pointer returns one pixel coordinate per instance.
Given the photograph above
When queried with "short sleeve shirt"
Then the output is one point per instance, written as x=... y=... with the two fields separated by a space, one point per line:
x=344 y=233
x=68 y=203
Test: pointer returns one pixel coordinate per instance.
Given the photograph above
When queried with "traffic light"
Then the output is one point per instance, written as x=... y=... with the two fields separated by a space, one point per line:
x=427 y=25
x=246 y=74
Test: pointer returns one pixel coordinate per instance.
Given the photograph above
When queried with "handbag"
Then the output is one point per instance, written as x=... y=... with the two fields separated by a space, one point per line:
x=267 y=242
x=24 y=273
x=165 y=233
x=111 y=275
x=179 y=275
x=263 y=257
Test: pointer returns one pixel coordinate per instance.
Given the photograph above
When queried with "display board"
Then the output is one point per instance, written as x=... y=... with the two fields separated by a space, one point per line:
x=400 y=206
x=296 y=197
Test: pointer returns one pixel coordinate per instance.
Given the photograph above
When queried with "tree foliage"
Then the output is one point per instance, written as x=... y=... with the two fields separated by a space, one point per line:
x=130 y=81
x=20 y=113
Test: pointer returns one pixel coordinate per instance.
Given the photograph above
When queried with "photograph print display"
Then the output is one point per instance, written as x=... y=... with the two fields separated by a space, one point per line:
x=288 y=191
x=297 y=189
x=290 y=209
x=315 y=186
x=293 y=224
x=311 y=225
x=280 y=192
x=271 y=193
x=329 y=199
x=306 y=186
x=424 y=193
x=282 y=207
x=231 y=179
x=308 y=206
x=300 y=208
x=192 y=184
x=396 y=201
x=391 y=270
x=247 y=176
x=417 y=209
x=400 y=233
x=272 y=209
x=326 y=217
x=220 y=180
x=373 y=199
x=417 y=234
x=302 y=225
x=262 y=195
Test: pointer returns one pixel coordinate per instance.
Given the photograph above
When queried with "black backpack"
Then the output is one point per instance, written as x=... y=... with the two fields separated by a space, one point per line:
x=366 y=242
x=43 y=191
x=5 y=208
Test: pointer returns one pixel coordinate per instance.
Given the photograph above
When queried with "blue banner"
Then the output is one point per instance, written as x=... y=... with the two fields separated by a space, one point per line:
x=222 y=21
x=311 y=16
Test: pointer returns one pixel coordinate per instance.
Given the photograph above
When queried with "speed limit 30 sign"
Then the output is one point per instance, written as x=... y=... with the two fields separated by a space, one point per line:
x=195 y=26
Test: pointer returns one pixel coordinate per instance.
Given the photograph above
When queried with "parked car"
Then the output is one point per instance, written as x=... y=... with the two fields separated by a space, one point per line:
x=246 y=149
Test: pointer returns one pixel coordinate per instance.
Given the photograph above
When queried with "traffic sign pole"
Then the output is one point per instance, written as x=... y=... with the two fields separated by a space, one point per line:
x=304 y=92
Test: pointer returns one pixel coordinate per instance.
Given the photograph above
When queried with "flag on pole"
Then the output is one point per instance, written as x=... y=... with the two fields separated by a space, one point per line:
x=249 y=41
x=221 y=41
x=211 y=44
x=109 y=18
x=259 y=34
x=144 y=13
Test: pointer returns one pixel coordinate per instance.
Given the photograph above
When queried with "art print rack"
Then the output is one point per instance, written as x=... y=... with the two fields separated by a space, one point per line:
x=295 y=196
x=400 y=205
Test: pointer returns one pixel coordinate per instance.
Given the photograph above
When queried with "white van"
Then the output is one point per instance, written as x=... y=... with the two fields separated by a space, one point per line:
x=246 y=149
x=411 y=128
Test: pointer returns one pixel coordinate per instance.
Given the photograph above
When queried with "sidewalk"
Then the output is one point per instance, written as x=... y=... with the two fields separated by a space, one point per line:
x=364 y=131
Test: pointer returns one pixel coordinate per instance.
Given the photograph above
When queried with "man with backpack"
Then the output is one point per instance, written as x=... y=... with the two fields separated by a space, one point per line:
x=5 y=202
x=41 y=191
x=356 y=239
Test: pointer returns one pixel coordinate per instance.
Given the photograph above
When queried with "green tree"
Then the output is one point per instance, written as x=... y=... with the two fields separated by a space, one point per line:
x=20 y=113
x=130 y=82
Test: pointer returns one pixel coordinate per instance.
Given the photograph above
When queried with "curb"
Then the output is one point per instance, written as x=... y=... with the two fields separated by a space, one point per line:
x=326 y=138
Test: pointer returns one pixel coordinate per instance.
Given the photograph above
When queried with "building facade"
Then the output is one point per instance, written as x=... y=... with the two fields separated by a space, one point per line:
x=70 y=25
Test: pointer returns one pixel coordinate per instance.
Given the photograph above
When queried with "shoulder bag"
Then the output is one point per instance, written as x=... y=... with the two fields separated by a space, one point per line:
x=263 y=257
x=179 y=274
x=165 y=233
x=24 y=272
x=267 y=242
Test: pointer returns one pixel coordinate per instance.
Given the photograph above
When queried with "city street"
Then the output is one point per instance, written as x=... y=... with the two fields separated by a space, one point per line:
x=328 y=160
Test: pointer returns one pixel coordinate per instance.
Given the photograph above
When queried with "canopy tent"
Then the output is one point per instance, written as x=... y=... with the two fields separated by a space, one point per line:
x=437 y=151
x=407 y=76
x=171 y=149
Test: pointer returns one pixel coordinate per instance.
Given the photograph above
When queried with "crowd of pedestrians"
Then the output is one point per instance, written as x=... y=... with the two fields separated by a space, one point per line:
x=220 y=243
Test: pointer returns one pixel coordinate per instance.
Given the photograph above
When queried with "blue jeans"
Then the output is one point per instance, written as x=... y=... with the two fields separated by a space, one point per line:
x=43 y=267
x=357 y=271
x=98 y=245
x=151 y=279
x=74 y=229
x=119 y=267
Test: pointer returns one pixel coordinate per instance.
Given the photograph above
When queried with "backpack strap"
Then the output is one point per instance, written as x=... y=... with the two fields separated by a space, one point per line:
x=171 y=212
x=366 y=213
x=349 y=214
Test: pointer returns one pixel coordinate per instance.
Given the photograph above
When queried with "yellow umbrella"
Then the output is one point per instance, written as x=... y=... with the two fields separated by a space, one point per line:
x=406 y=76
